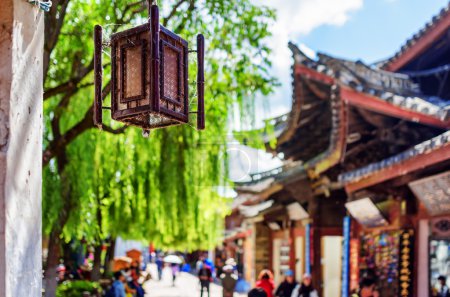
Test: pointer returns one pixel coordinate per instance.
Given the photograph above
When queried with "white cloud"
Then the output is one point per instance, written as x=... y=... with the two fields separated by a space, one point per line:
x=303 y=16
x=294 y=19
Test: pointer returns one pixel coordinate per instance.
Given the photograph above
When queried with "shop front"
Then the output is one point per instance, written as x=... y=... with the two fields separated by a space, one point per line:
x=381 y=247
x=433 y=223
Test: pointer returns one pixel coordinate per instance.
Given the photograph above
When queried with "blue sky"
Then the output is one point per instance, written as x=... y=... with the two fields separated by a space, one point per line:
x=374 y=32
x=370 y=30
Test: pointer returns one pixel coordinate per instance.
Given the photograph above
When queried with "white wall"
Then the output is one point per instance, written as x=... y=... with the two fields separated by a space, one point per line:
x=299 y=257
x=21 y=90
x=331 y=265
x=276 y=261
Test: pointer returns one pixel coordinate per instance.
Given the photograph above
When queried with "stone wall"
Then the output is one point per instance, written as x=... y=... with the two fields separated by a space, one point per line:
x=21 y=90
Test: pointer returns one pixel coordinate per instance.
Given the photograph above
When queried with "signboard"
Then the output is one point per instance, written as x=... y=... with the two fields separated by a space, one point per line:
x=433 y=192
x=366 y=213
x=346 y=257
x=354 y=264
x=406 y=259
x=308 y=249
x=285 y=256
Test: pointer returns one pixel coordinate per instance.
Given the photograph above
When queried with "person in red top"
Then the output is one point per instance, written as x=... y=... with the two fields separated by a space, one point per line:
x=265 y=281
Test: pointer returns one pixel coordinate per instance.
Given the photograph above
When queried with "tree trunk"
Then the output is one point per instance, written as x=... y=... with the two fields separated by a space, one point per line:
x=50 y=274
x=95 y=275
x=109 y=256
x=54 y=244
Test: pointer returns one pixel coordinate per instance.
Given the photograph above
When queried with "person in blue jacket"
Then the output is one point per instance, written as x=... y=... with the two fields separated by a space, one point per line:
x=118 y=288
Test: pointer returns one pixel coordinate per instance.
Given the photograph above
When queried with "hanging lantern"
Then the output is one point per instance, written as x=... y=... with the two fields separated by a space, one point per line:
x=149 y=77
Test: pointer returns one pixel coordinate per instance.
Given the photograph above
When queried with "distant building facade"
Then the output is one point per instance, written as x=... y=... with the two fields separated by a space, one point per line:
x=365 y=190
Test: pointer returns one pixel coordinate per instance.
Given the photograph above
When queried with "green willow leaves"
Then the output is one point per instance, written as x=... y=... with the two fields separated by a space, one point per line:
x=162 y=189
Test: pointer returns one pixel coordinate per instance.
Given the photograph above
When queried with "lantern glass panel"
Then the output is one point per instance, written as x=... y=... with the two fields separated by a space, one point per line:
x=133 y=75
x=130 y=74
x=174 y=94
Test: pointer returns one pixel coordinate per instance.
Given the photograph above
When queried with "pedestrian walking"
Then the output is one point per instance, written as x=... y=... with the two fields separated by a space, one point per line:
x=305 y=289
x=198 y=265
x=159 y=265
x=265 y=281
x=367 y=288
x=286 y=288
x=205 y=277
x=257 y=292
x=175 y=269
x=229 y=280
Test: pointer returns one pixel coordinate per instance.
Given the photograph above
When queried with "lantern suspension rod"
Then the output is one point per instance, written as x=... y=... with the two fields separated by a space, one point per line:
x=200 y=82
x=98 y=76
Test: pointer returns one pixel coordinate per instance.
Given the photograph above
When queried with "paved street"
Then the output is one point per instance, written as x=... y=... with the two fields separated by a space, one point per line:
x=186 y=285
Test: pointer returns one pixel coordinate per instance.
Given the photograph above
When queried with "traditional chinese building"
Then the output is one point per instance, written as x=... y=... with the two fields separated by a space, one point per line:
x=370 y=141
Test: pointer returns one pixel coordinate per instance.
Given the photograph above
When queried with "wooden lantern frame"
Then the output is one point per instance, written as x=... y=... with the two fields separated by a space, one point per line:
x=149 y=76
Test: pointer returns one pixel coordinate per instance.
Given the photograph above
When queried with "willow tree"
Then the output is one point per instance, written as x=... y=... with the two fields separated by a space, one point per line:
x=115 y=182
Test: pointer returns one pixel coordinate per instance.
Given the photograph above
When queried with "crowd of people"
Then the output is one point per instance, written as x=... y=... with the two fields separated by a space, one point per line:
x=265 y=286
x=228 y=277
x=291 y=288
x=127 y=283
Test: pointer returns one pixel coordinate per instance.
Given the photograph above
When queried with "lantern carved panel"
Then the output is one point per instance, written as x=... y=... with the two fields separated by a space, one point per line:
x=149 y=76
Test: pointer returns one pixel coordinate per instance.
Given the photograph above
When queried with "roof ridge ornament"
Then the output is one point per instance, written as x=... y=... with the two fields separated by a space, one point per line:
x=149 y=76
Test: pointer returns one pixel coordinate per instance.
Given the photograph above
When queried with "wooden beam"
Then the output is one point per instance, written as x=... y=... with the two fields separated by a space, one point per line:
x=373 y=103
x=313 y=74
x=338 y=152
x=410 y=165
x=421 y=45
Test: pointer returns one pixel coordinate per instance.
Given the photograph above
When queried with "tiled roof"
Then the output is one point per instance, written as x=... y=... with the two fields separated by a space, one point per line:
x=422 y=32
x=419 y=149
x=394 y=88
